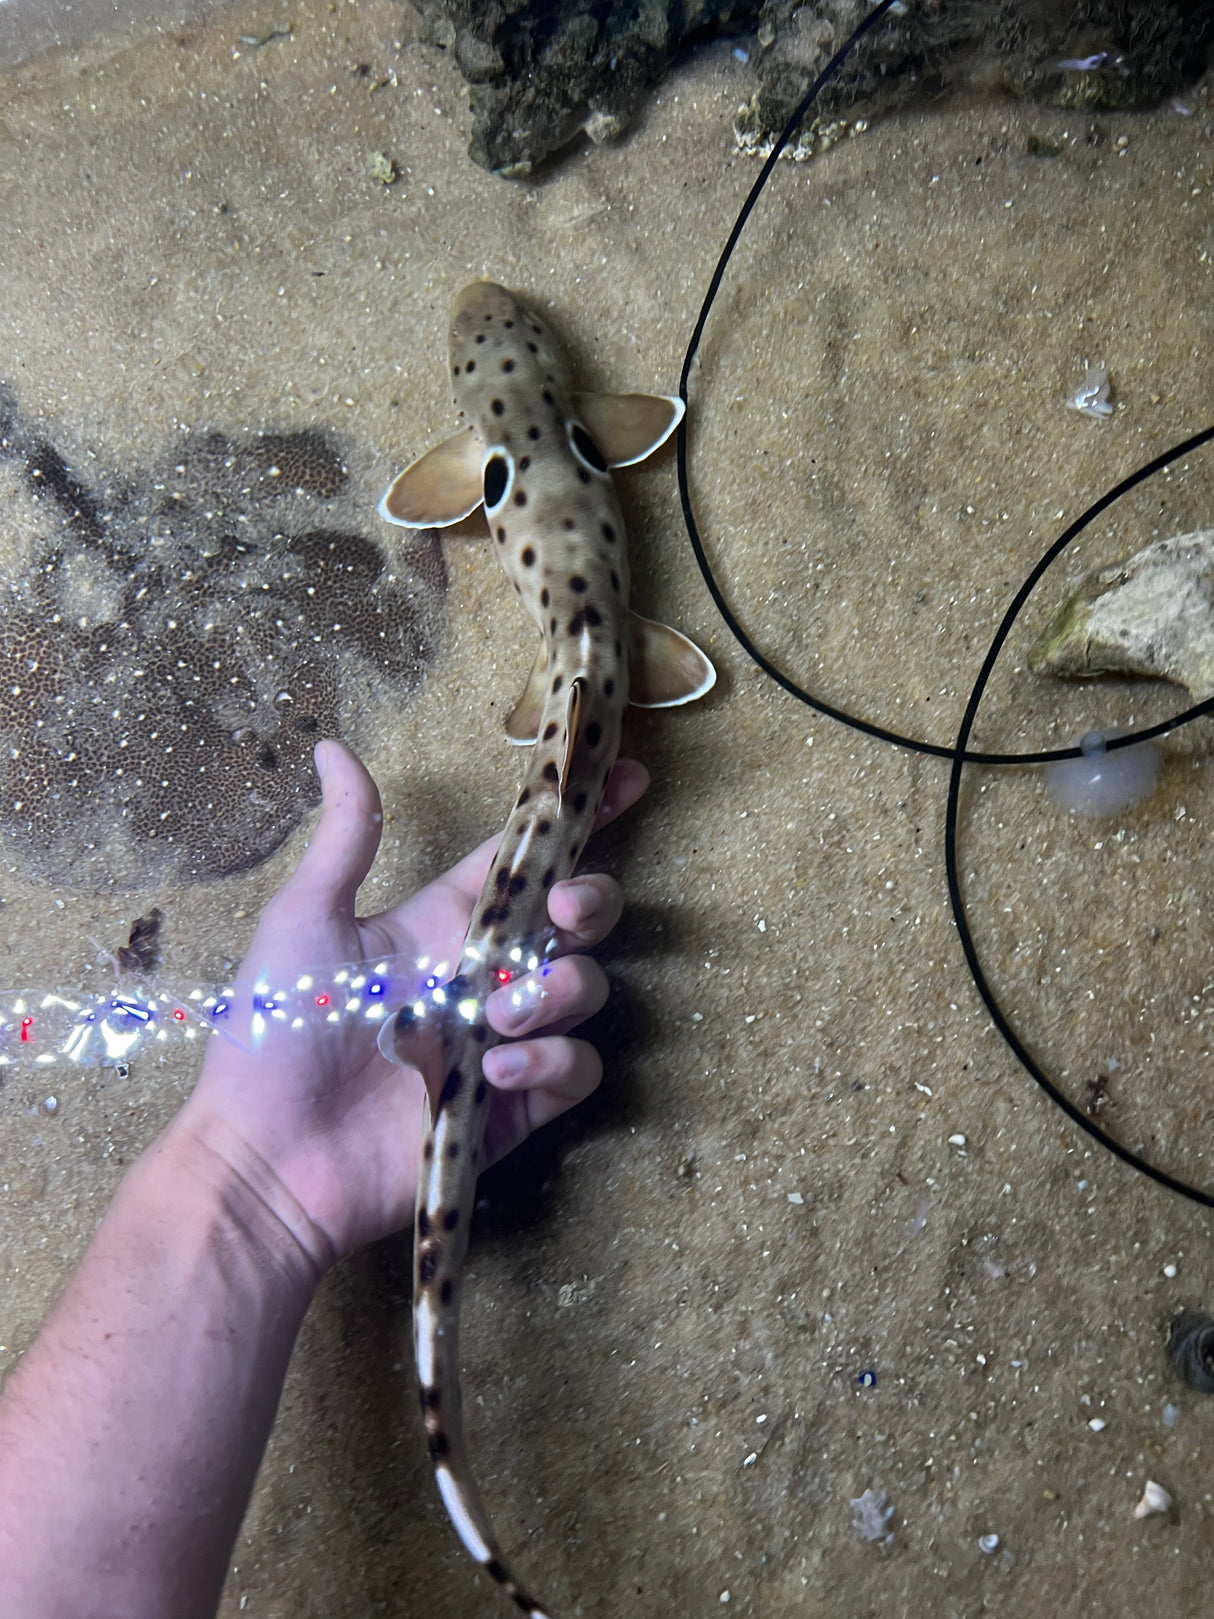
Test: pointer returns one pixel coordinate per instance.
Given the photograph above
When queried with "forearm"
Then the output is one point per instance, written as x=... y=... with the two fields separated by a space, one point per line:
x=132 y=1429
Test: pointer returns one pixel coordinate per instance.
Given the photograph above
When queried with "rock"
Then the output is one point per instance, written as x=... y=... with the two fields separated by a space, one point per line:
x=1152 y=614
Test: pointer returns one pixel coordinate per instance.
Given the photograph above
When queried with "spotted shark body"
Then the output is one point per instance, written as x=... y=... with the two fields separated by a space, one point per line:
x=537 y=457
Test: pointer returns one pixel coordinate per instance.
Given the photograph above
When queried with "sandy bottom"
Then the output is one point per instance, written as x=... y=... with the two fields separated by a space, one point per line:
x=813 y=1157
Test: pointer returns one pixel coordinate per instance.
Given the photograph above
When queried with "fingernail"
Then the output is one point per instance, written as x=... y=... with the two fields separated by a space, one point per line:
x=505 y=1065
x=320 y=759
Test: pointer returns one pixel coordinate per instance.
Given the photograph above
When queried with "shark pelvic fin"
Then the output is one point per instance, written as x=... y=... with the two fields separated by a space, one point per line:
x=443 y=486
x=664 y=667
x=523 y=721
x=628 y=427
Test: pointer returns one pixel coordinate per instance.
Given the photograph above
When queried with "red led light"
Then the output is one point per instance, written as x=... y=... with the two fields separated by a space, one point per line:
x=178 y=1015
x=504 y=975
x=322 y=1000
x=27 y=1024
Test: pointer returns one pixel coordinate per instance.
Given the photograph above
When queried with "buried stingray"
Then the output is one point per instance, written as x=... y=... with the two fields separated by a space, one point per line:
x=173 y=645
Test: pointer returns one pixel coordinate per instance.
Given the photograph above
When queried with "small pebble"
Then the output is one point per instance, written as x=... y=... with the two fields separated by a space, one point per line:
x=51 y=1104
x=1154 y=1499
x=1097 y=1424
x=1170 y=1415
x=956 y=1141
x=988 y=1544
x=1169 y=1271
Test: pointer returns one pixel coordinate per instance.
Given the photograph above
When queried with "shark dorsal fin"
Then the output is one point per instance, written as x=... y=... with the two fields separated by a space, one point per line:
x=664 y=667
x=440 y=488
x=628 y=427
x=523 y=721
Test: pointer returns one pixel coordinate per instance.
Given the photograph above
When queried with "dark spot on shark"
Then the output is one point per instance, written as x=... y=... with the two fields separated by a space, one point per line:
x=568 y=525
x=608 y=533
x=497 y=407
x=507 y=365
x=520 y=497
x=579 y=803
x=518 y=885
x=550 y=730
x=431 y=1397
x=577 y=622
x=551 y=773
x=423 y=1223
x=615 y=581
x=547 y=879
x=450 y=1219
x=556 y=684
x=427 y=1266
x=543 y=827
x=533 y=433
x=609 y=687
x=428 y=1149
x=481 y=1092
x=524 y=796
x=577 y=584
x=439 y=1446
x=173 y=643
x=450 y=1088
x=447 y=1291
x=527 y=556
x=545 y=597
x=594 y=734
x=593 y=617
x=494 y=480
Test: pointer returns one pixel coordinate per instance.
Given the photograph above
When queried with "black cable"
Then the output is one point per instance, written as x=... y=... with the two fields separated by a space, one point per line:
x=958 y=755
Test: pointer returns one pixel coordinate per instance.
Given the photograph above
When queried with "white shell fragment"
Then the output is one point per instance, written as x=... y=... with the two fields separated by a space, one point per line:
x=1154 y=1499
x=1151 y=614
x=1091 y=398
x=988 y=1544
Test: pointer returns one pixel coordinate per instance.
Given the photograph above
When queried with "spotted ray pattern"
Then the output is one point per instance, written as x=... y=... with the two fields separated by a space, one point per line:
x=526 y=453
x=174 y=642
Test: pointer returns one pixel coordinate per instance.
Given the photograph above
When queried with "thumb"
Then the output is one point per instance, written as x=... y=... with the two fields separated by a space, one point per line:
x=341 y=849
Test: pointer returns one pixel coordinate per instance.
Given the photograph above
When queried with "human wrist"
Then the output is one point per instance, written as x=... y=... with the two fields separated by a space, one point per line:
x=229 y=1185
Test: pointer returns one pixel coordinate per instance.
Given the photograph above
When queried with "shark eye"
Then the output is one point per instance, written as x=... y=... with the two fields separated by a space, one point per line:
x=497 y=476
x=584 y=448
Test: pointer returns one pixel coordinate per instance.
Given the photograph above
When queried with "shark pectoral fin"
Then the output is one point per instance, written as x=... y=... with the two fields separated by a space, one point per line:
x=664 y=667
x=575 y=704
x=442 y=487
x=628 y=427
x=523 y=721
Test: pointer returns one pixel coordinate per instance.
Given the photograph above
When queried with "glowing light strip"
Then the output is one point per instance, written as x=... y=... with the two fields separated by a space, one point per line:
x=39 y=1028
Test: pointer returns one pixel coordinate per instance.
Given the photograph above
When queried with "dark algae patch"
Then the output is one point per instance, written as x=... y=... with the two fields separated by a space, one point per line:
x=173 y=644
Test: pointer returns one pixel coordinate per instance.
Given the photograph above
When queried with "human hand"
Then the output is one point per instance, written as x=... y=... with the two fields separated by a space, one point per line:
x=326 y=1129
